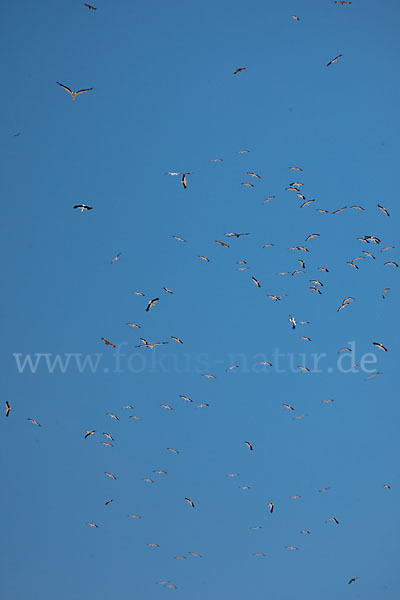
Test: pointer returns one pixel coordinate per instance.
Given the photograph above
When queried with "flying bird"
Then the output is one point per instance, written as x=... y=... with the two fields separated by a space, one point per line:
x=233 y=234
x=110 y=475
x=250 y=447
x=385 y=291
x=34 y=422
x=8 y=408
x=73 y=94
x=223 y=244
x=339 y=210
x=152 y=303
x=287 y=406
x=292 y=320
x=383 y=209
x=312 y=235
x=256 y=282
x=189 y=501
x=238 y=70
x=113 y=416
x=92 y=524
x=204 y=258
x=83 y=207
x=342 y=2
x=178 y=238
x=167 y=290
x=271 y=507
x=176 y=339
x=90 y=7
x=353 y=579
x=295 y=18
x=295 y=168
x=107 y=502
x=378 y=345
x=334 y=60
x=334 y=519
x=183 y=180
x=107 y=343
x=133 y=325
x=392 y=263
x=90 y=432
x=208 y=375
x=147 y=344
x=254 y=174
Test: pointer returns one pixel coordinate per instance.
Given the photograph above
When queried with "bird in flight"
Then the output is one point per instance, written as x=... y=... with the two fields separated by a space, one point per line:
x=271 y=507
x=334 y=519
x=184 y=180
x=133 y=325
x=238 y=70
x=90 y=432
x=152 y=303
x=92 y=524
x=383 y=209
x=107 y=343
x=256 y=282
x=147 y=344
x=73 y=94
x=378 y=345
x=110 y=475
x=295 y=168
x=90 y=7
x=302 y=368
x=392 y=263
x=216 y=160
x=254 y=174
x=287 y=406
x=342 y=2
x=83 y=207
x=107 y=502
x=8 y=408
x=305 y=531
x=167 y=406
x=178 y=238
x=34 y=422
x=113 y=416
x=208 y=375
x=167 y=290
x=334 y=60
x=292 y=320
x=250 y=447
x=116 y=258
x=242 y=151
x=189 y=501
x=237 y=235
x=385 y=291
x=176 y=339
x=295 y=18
x=204 y=258
x=353 y=579
x=223 y=244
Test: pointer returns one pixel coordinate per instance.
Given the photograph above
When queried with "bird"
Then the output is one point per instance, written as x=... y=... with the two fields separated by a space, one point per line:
x=383 y=209
x=342 y=2
x=247 y=184
x=195 y=554
x=295 y=18
x=73 y=94
x=391 y=263
x=385 y=292
x=8 y=408
x=387 y=248
x=208 y=375
x=204 y=258
x=151 y=303
x=90 y=432
x=305 y=531
x=252 y=174
x=107 y=502
x=387 y=486
x=178 y=238
x=173 y=450
x=153 y=545
x=291 y=547
x=339 y=210
x=250 y=447
x=108 y=436
x=83 y=207
x=185 y=398
x=167 y=406
x=146 y=344
x=138 y=293
x=302 y=263
x=353 y=579
x=34 y=422
x=216 y=160
x=160 y=472
x=116 y=258
x=135 y=516
x=323 y=269
x=110 y=475
x=176 y=339
x=292 y=320
x=334 y=519
x=378 y=345
x=244 y=487
x=238 y=70
x=113 y=416
x=90 y=7
x=334 y=60
x=271 y=507
x=312 y=235
x=189 y=501
x=305 y=338
x=237 y=235
x=276 y=298
x=295 y=168
x=242 y=151
x=107 y=343
x=357 y=207
x=256 y=282
x=106 y=443
x=287 y=406
x=92 y=524
x=184 y=180
x=232 y=474
x=133 y=325
x=269 y=198
x=167 y=290
x=302 y=368
x=148 y=480
x=258 y=554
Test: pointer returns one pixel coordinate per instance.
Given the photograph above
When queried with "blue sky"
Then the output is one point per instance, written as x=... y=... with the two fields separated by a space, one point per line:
x=165 y=99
